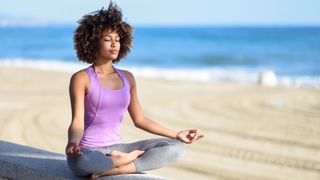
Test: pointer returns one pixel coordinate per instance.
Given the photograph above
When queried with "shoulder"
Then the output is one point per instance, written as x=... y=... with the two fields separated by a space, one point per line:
x=80 y=78
x=129 y=76
x=80 y=75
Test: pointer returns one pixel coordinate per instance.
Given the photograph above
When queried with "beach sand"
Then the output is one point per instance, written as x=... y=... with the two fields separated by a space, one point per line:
x=251 y=132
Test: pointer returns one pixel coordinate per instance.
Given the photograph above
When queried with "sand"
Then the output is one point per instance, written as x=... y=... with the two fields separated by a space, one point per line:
x=251 y=132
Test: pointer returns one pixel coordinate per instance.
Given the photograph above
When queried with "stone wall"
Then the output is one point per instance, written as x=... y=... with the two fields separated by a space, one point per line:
x=23 y=162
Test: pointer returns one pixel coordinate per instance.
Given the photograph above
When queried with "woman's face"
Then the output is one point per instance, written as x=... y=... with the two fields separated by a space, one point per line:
x=109 y=45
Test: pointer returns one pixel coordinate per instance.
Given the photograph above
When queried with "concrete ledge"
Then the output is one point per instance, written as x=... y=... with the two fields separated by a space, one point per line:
x=23 y=162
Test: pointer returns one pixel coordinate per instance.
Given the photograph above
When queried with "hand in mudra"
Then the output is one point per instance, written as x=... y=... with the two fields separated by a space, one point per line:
x=189 y=136
x=73 y=149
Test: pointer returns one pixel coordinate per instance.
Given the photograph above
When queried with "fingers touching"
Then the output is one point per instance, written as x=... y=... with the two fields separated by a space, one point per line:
x=189 y=136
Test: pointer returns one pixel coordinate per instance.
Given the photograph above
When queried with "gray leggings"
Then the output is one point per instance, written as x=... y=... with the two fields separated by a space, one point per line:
x=158 y=153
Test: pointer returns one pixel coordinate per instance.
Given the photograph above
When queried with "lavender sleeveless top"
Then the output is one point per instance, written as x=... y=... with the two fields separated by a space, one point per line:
x=104 y=111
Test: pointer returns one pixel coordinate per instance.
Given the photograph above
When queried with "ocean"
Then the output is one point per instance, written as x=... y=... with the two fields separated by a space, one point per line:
x=206 y=54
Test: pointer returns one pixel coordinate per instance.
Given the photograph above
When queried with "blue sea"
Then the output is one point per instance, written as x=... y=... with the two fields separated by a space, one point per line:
x=206 y=54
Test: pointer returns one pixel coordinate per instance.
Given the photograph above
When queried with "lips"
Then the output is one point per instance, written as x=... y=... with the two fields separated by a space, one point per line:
x=114 y=52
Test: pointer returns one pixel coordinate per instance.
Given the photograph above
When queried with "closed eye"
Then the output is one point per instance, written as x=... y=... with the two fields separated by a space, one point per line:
x=107 y=40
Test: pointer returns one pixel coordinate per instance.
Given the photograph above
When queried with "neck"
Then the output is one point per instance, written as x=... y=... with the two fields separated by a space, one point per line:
x=103 y=68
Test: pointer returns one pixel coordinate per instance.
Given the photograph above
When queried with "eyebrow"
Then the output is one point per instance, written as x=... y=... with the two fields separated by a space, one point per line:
x=110 y=36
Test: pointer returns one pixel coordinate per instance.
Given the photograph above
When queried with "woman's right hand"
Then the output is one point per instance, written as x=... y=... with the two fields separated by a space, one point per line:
x=73 y=149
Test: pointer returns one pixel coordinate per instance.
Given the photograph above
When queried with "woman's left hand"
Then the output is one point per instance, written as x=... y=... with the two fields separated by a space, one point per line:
x=189 y=136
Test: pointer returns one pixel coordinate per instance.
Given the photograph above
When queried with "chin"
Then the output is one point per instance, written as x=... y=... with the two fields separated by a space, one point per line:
x=114 y=57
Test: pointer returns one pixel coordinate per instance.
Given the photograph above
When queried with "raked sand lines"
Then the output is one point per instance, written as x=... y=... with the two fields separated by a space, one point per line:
x=263 y=129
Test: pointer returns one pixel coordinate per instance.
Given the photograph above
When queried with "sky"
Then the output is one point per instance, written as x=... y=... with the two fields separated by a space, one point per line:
x=169 y=12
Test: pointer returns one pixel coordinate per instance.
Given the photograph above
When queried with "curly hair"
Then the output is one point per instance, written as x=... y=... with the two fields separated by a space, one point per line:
x=88 y=33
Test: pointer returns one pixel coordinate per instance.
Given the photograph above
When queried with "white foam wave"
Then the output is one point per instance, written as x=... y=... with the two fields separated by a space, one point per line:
x=300 y=81
x=42 y=64
x=201 y=74
x=235 y=74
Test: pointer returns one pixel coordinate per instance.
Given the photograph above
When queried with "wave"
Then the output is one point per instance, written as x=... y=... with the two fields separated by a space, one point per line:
x=210 y=74
x=42 y=64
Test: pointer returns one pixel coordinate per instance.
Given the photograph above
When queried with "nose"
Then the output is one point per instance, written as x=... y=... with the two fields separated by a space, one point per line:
x=113 y=43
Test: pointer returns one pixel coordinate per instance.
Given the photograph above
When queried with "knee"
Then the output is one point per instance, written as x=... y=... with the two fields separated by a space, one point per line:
x=176 y=150
x=77 y=166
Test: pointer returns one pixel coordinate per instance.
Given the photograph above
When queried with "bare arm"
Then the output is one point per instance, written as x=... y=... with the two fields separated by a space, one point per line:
x=144 y=123
x=77 y=92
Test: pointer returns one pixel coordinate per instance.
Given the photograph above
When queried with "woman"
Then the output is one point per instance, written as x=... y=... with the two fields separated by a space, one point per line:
x=101 y=94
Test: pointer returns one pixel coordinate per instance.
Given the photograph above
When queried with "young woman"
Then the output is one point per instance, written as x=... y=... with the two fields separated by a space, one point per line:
x=101 y=94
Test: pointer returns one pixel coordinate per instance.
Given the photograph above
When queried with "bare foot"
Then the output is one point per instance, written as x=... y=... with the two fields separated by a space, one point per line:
x=120 y=158
x=125 y=169
x=94 y=176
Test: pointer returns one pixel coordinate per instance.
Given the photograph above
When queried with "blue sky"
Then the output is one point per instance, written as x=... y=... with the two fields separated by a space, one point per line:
x=171 y=12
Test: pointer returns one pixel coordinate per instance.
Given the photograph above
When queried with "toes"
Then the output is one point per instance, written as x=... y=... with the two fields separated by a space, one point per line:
x=139 y=152
x=116 y=153
x=93 y=176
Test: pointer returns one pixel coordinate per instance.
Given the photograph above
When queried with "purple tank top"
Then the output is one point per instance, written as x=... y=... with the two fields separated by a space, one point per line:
x=104 y=111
